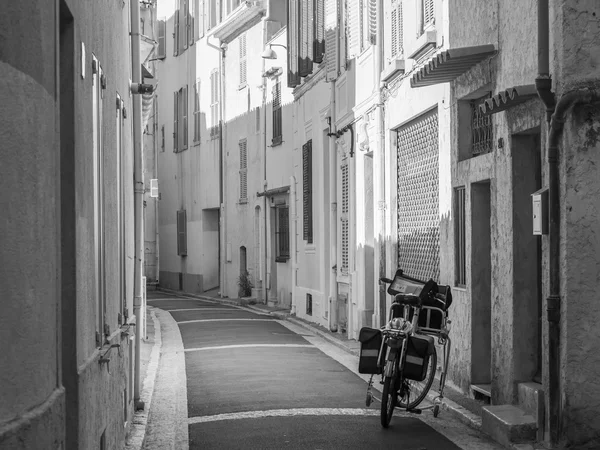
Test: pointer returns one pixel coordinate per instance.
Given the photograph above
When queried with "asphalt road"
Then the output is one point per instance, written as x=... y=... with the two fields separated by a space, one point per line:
x=254 y=382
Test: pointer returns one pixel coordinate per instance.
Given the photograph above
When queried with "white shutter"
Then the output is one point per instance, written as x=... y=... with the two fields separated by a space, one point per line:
x=242 y=42
x=154 y=188
x=353 y=28
x=175 y=117
x=331 y=43
x=183 y=33
x=200 y=19
x=191 y=28
x=162 y=42
x=372 y=21
x=243 y=169
x=184 y=116
x=176 y=29
x=428 y=13
x=344 y=219
x=397 y=30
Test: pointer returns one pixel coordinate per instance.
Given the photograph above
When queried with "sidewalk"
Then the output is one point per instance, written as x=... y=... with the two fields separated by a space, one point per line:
x=467 y=410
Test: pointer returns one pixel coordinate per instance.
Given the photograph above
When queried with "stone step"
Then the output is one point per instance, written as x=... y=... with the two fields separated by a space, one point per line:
x=508 y=424
x=531 y=400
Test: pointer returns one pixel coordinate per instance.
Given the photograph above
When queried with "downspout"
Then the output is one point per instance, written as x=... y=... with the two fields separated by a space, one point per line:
x=222 y=184
x=333 y=222
x=567 y=100
x=293 y=241
x=265 y=183
x=543 y=82
x=138 y=177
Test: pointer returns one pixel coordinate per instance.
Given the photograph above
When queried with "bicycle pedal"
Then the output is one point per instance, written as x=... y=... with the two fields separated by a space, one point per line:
x=414 y=411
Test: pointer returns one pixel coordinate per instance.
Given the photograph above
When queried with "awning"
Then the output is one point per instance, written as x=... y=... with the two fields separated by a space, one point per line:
x=238 y=20
x=448 y=65
x=508 y=98
x=272 y=192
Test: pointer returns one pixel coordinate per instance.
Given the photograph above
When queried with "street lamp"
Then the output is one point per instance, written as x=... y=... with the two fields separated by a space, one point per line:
x=269 y=53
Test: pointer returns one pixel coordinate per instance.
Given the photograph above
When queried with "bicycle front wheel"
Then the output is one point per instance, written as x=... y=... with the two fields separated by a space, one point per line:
x=415 y=391
x=388 y=400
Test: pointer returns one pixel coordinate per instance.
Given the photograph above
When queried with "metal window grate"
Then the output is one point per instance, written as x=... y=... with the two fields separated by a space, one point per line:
x=418 y=197
x=460 y=250
x=481 y=129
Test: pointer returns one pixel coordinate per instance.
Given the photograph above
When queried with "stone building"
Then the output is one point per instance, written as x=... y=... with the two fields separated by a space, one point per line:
x=67 y=325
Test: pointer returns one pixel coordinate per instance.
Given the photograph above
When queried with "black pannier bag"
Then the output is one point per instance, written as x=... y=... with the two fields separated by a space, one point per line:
x=430 y=319
x=370 y=344
x=419 y=348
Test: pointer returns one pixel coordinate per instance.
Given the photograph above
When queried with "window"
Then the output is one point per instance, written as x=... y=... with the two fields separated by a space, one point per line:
x=459 y=237
x=344 y=235
x=190 y=23
x=481 y=129
x=427 y=14
x=309 y=304
x=257 y=120
x=243 y=171
x=181 y=233
x=319 y=33
x=213 y=14
x=397 y=29
x=176 y=29
x=242 y=42
x=200 y=19
x=214 y=104
x=307 y=192
x=162 y=43
x=282 y=234
x=121 y=211
x=197 y=116
x=277 y=127
x=231 y=5
x=162 y=138
x=180 y=120
x=98 y=205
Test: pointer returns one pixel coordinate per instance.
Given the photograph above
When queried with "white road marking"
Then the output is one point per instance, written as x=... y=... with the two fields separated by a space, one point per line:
x=224 y=347
x=177 y=299
x=201 y=309
x=224 y=320
x=285 y=413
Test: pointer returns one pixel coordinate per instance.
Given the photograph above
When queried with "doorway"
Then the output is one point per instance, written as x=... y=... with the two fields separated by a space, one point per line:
x=210 y=249
x=481 y=292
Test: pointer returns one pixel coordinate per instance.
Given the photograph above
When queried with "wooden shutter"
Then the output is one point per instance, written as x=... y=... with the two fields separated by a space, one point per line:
x=200 y=19
x=184 y=116
x=176 y=29
x=372 y=21
x=307 y=191
x=242 y=42
x=183 y=33
x=191 y=22
x=344 y=238
x=397 y=30
x=175 y=119
x=277 y=128
x=293 y=44
x=283 y=241
x=319 y=31
x=306 y=37
x=197 y=111
x=243 y=169
x=331 y=42
x=428 y=12
x=353 y=28
x=181 y=233
x=162 y=42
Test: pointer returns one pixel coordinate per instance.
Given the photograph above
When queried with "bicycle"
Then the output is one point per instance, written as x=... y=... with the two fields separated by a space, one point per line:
x=406 y=357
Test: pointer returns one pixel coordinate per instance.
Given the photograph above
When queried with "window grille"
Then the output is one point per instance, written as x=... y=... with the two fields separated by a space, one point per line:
x=197 y=116
x=282 y=234
x=344 y=218
x=397 y=29
x=481 y=129
x=307 y=192
x=243 y=170
x=418 y=197
x=242 y=62
x=459 y=237
x=277 y=127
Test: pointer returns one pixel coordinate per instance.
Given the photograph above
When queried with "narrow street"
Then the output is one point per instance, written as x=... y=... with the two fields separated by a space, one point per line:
x=256 y=382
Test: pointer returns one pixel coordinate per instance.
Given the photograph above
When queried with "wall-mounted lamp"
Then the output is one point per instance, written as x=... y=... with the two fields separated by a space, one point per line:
x=269 y=53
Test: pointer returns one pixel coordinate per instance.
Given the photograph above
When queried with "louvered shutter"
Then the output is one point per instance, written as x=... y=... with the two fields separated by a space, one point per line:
x=344 y=219
x=184 y=94
x=306 y=37
x=243 y=169
x=176 y=29
x=428 y=12
x=307 y=191
x=200 y=19
x=397 y=30
x=175 y=121
x=183 y=34
x=191 y=29
x=353 y=28
x=319 y=32
x=181 y=233
x=162 y=42
x=372 y=21
x=331 y=44
x=242 y=42
x=293 y=43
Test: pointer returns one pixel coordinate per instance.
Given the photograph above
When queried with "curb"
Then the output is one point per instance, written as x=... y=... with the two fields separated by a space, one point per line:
x=462 y=414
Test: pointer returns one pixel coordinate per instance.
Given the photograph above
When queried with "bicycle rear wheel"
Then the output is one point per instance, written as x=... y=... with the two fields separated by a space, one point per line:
x=388 y=400
x=418 y=388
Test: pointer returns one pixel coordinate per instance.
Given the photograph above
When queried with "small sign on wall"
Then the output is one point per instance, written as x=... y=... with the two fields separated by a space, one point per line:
x=540 y=211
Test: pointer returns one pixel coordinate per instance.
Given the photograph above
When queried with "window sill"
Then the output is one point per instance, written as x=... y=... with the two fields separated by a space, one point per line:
x=282 y=259
x=242 y=86
x=243 y=201
x=310 y=249
x=394 y=68
x=276 y=141
x=424 y=43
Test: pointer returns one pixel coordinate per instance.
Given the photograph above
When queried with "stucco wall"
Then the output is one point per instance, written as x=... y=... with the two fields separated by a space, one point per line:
x=29 y=179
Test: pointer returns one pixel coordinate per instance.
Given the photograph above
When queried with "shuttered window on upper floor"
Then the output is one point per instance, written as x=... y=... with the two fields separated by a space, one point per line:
x=319 y=32
x=277 y=125
x=200 y=19
x=176 y=38
x=397 y=29
x=427 y=13
x=197 y=116
x=307 y=218
x=161 y=52
x=243 y=145
x=214 y=103
x=242 y=61
x=344 y=218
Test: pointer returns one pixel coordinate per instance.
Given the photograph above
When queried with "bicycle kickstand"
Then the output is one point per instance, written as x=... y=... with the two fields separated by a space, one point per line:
x=369 y=399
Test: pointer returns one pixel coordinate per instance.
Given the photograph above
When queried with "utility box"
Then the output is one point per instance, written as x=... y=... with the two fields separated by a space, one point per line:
x=540 y=211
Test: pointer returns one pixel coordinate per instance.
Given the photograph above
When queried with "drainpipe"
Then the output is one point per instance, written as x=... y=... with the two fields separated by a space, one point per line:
x=568 y=100
x=138 y=177
x=222 y=174
x=265 y=183
x=333 y=222
x=293 y=241
x=543 y=82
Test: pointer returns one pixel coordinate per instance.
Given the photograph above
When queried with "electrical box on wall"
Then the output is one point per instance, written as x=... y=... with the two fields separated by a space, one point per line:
x=540 y=211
